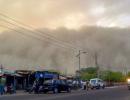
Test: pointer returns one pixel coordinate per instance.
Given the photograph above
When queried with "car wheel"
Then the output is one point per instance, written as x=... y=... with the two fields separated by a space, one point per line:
x=55 y=90
x=92 y=88
x=69 y=90
x=98 y=87
x=44 y=92
x=103 y=87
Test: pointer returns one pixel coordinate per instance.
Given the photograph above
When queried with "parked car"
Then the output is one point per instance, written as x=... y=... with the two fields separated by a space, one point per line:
x=56 y=86
x=76 y=84
x=96 y=83
x=70 y=83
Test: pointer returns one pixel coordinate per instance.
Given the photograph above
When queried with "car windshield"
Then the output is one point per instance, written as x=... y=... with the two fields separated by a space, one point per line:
x=93 y=81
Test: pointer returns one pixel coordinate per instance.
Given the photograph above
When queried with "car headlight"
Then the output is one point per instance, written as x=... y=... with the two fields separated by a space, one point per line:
x=128 y=80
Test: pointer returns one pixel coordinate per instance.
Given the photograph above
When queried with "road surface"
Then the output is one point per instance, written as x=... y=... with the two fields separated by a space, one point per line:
x=114 y=93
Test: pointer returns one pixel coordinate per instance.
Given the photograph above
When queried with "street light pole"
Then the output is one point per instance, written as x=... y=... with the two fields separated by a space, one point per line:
x=80 y=51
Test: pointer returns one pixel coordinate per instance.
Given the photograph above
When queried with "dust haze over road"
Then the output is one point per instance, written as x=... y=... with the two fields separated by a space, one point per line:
x=111 y=44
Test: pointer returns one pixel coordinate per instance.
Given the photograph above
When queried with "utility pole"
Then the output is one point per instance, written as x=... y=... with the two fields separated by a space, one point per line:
x=79 y=58
x=1 y=68
x=96 y=63
x=65 y=72
x=109 y=75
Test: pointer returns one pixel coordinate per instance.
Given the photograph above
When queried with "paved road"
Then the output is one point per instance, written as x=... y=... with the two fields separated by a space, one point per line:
x=116 y=93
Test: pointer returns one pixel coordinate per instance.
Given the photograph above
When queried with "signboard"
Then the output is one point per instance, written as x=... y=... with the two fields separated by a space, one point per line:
x=46 y=75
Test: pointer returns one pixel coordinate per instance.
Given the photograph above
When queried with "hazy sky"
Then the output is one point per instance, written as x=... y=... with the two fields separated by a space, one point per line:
x=68 y=13
x=72 y=14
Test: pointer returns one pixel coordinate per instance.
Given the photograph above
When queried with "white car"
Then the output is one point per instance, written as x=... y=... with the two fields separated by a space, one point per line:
x=96 y=83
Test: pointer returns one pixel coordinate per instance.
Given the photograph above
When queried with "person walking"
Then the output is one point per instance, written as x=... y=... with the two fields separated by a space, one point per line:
x=87 y=85
x=33 y=87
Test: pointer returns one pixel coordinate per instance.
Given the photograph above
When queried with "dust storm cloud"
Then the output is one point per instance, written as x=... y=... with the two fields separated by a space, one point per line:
x=19 y=51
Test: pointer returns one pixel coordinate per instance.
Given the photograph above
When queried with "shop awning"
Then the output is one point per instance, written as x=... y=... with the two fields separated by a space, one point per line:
x=11 y=73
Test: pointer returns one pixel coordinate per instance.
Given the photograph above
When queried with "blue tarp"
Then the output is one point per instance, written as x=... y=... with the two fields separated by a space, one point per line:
x=50 y=75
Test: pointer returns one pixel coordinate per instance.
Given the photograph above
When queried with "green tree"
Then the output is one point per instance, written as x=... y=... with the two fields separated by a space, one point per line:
x=107 y=75
x=128 y=74
x=88 y=73
x=113 y=76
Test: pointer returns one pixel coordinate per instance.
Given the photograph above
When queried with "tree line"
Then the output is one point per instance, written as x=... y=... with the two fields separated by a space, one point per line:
x=106 y=75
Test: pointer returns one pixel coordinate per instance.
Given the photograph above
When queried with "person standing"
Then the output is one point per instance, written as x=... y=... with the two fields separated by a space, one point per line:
x=84 y=85
x=0 y=87
x=2 y=84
